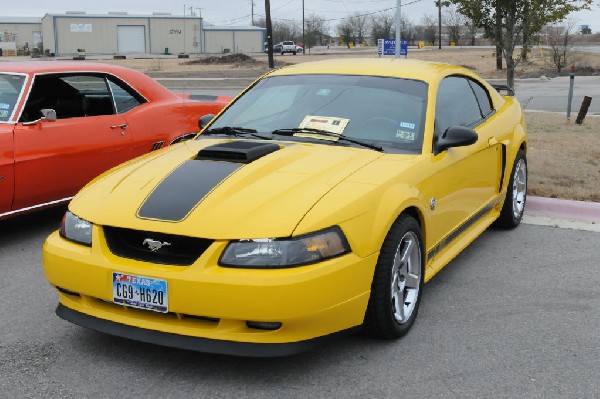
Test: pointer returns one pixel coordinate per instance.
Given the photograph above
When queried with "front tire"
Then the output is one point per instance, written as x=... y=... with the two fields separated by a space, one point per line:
x=397 y=282
x=516 y=194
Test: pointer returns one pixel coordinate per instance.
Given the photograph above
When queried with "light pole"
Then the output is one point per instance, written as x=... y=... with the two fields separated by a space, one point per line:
x=398 y=33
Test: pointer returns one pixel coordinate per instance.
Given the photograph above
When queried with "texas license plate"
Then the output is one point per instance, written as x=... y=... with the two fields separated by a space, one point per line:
x=140 y=292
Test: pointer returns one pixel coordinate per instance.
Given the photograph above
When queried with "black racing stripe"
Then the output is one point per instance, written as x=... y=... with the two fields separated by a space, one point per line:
x=461 y=229
x=184 y=188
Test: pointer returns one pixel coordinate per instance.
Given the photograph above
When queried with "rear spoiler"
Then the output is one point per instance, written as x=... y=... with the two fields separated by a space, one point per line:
x=509 y=91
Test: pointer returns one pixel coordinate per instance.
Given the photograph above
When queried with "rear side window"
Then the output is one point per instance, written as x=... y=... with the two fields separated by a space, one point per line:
x=456 y=104
x=485 y=104
x=124 y=97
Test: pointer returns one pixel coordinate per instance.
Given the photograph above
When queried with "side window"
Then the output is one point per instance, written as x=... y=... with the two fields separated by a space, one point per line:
x=485 y=103
x=92 y=93
x=70 y=95
x=124 y=97
x=456 y=104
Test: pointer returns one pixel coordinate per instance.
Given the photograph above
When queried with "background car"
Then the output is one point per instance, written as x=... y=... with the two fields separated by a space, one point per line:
x=319 y=202
x=63 y=123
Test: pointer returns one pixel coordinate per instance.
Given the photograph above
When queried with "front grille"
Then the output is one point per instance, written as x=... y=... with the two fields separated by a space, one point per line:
x=169 y=249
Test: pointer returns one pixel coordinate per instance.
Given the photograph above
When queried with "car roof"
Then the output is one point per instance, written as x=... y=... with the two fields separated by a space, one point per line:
x=149 y=88
x=57 y=66
x=388 y=67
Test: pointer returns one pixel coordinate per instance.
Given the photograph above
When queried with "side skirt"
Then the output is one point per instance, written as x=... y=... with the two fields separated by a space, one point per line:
x=457 y=240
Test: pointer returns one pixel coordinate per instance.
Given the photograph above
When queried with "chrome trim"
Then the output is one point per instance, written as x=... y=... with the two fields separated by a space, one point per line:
x=30 y=208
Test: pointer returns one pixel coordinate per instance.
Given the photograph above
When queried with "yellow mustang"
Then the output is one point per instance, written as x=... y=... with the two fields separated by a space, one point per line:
x=319 y=201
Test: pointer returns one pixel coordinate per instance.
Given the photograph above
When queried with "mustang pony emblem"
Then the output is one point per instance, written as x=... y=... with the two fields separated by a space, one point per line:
x=155 y=245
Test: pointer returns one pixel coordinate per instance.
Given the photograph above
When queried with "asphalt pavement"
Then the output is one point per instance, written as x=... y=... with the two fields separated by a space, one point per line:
x=514 y=316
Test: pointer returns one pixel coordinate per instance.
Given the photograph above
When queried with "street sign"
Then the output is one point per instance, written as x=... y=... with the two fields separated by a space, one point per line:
x=388 y=47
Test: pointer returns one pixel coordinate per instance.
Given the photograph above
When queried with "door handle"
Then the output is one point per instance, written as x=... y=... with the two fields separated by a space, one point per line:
x=492 y=141
x=122 y=126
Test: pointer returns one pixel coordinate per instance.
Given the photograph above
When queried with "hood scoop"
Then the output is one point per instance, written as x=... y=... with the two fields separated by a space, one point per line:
x=237 y=151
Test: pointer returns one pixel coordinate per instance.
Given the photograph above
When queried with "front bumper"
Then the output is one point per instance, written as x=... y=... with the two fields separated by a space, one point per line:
x=210 y=305
x=188 y=342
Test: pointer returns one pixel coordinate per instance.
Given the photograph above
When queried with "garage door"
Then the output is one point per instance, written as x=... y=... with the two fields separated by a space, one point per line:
x=131 y=39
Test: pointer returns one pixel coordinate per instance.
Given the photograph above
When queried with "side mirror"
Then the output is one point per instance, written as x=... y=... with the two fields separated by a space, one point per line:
x=205 y=120
x=455 y=136
x=48 y=114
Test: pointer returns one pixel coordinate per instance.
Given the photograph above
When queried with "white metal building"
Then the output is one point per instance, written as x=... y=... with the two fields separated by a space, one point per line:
x=122 y=33
x=22 y=31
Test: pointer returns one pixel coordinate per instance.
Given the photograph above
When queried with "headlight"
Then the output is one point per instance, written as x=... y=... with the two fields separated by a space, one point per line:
x=286 y=252
x=76 y=229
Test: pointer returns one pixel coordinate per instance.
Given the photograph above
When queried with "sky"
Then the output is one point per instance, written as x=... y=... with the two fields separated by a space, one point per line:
x=238 y=12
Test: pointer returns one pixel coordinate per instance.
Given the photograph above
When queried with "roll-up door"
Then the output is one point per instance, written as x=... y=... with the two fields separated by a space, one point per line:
x=131 y=39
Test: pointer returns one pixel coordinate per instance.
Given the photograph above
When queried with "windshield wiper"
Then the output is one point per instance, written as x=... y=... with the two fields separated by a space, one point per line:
x=234 y=131
x=293 y=131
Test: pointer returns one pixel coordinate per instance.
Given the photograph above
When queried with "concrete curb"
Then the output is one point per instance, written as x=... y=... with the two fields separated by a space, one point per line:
x=566 y=214
x=563 y=209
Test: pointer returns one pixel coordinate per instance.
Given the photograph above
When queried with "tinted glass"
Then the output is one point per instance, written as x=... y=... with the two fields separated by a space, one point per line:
x=456 y=104
x=482 y=97
x=125 y=99
x=389 y=112
x=10 y=89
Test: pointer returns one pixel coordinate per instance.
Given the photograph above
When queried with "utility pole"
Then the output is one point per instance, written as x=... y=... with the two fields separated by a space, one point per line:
x=303 y=42
x=269 y=33
x=440 y=24
x=398 y=33
x=252 y=8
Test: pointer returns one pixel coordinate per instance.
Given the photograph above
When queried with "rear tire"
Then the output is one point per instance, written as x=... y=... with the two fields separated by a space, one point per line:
x=516 y=194
x=398 y=281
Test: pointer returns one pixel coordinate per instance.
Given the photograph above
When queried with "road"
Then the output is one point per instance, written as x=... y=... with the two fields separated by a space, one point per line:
x=515 y=315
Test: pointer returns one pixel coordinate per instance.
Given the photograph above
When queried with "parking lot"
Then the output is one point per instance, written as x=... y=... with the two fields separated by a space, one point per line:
x=515 y=315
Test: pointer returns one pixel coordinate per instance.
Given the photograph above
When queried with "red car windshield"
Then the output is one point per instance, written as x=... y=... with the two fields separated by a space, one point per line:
x=10 y=90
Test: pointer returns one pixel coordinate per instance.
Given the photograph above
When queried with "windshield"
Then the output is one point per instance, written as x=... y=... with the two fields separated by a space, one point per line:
x=389 y=112
x=10 y=89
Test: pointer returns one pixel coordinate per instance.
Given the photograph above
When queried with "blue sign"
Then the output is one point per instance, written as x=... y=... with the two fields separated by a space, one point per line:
x=388 y=47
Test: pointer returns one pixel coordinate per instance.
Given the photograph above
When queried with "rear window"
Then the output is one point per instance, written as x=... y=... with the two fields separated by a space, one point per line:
x=288 y=43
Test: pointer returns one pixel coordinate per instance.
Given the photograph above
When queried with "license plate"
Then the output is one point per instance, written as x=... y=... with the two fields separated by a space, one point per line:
x=140 y=292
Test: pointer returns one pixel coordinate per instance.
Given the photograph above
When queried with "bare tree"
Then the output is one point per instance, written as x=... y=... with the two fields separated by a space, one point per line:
x=454 y=22
x=282 y=29
x=408 y=30
x=428 y=29
x=316 y=28
x=560 y=41
x=381 y=25
x=346 y=31
x=359 y=23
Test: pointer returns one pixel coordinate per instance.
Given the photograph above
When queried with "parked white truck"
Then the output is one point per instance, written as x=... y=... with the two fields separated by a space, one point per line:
x=288 y=47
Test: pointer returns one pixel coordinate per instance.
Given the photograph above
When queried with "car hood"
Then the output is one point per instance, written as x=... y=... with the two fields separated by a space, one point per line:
x=195 y=189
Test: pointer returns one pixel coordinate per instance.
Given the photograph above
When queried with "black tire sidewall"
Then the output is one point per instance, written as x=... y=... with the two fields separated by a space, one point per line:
x=379 y=318
x=507 y=218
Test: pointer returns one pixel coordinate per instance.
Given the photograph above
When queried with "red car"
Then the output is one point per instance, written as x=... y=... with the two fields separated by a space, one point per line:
x=64 y=123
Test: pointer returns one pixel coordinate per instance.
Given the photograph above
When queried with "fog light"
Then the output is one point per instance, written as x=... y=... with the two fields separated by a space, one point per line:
x=264 y=325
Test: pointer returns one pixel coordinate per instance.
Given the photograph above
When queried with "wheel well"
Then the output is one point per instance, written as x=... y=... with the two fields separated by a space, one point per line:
x=416 y=214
